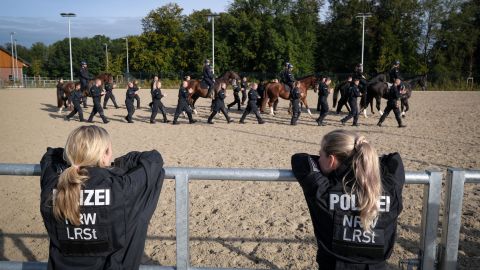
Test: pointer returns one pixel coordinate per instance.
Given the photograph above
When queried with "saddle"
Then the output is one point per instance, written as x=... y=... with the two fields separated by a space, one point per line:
x=203 y=84
x=287 y=87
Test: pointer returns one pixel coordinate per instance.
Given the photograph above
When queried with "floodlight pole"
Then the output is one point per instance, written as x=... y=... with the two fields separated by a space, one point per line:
x=212 y=16
x=128 y=68
x=13 y=57
x=69 y=15
x=363 y=16
x=106 y=56
x=16 y=59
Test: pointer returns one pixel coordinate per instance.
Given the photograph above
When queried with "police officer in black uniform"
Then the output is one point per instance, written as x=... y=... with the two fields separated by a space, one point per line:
x=136 y=97
x=84 y=78
x=157 y=103
x=76 y=96
x=219 y=104
x=353 y=93
x=109 y=95
x=358 y=74
x=323 y=93
x=392 y=103
x=330 y=190
x=244 y=87
x=116 y=205
x=208 y=76
x=252 y=105
x=236 y=95
x=182 y=105
x=394 y=72
x=295 y=100
x=283 y=73
x=289 y=78
x=96 y=94
x=130 y=97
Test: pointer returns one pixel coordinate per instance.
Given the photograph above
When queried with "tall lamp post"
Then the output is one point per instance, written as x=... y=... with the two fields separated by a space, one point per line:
x=363 y=16
x=212 y=17
x=69 y=15
x=106 y=55
x=13 y=57
x=16 y=60
x=128 y=68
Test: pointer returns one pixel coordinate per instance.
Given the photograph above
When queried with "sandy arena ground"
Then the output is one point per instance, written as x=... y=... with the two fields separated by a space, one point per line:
x=238 y=224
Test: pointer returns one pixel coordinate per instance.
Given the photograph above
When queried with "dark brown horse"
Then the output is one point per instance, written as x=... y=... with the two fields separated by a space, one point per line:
x=275 y=90
x=200 y=89
x=63 y=96
x=104 y=77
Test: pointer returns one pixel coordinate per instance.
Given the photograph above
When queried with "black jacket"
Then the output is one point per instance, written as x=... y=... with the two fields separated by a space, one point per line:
x=253 y=96
x=323 y=89
x=77 y=96
x=353 y=94
x=335 y=219
x=157 y=94
x=295 y=94
x=207 y=72
x=219 y=101
x=84 y=76
x=117 y=204
x=96 y=93
x=108 y=87
x=131 y=92
x=394 y=74
x=182 y=94
x=393 y=94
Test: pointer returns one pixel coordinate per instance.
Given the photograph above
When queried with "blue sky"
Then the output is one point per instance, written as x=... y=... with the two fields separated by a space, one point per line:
x=40 y=20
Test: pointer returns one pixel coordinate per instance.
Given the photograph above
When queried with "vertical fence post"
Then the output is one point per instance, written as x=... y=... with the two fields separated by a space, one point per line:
x=181 y=216
x=431 y=208
x=452 y=217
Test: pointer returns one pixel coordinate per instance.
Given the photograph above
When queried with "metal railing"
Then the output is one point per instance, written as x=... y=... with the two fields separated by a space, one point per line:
x=452 y=215
x=431 y=180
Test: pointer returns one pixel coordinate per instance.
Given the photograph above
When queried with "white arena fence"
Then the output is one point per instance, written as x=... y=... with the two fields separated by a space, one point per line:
x=430 y=255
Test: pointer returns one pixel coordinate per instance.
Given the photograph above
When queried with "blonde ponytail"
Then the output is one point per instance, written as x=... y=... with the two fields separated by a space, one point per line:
x=85 y=147
x=367 y=185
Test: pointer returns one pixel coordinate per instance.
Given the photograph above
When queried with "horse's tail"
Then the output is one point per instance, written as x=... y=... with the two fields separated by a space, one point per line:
x=264 y=98
x=335 y=94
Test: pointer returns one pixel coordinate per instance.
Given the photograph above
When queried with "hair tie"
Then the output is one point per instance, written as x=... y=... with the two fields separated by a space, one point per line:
x=76 y=167
x=359 y=141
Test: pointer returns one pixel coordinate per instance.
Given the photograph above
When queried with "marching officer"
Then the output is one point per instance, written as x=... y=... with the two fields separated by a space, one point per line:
x=208 y=76
x=394 y=72
x=252 y=105
x=157 y=103
x=137 y=97
x=76 y=96
x=392 y=103
x=84 y=78
x=236 y=95
x=182 y=105
x=96 y=94
x=353 y=93
x=323 y=100
x=219 y=105
x=295 y=100
x=129 y=99
x=354 y=211
x=109 y=95
x=244 y=86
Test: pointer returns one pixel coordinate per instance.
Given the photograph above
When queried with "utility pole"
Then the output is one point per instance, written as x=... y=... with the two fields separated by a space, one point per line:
x=13 y=57
x=363 y=16
x=69 y=15
x=106 y=56
x=128 y=68
x=212 y=16
x=16 y=59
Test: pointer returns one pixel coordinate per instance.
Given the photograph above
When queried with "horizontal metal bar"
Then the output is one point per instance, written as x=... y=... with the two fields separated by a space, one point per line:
x=8 y=265
x=209 y=173
x=472 y=176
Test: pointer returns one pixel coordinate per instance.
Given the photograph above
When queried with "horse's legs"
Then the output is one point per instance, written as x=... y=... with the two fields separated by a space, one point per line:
x=404 y=104
x=270 y=104
x=378 y=100
x=194 y=99
x=304 y=101
x=275 y=104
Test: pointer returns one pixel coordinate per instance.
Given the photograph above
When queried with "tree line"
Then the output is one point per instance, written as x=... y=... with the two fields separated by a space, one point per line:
x=439 y=38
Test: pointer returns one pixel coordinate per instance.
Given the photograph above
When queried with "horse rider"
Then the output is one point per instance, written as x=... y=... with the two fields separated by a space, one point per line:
x=353 y=93
x=252 y=105
x=236 y=95
x=394 y=93
x=182 y=105
x=157 y=103
x=283 y=72
x=109 y=95
x=394 y=72
x=289 y=78
x=219 y=104
x=358 y=73
x=295 y=96
x=96 y=93
x=323 y=100
x=84 y=78
x=208 y=76
x=76 y=97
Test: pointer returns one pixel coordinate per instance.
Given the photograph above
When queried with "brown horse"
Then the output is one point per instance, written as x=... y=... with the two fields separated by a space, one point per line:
x=200 y=89
x=63 y=96
x=104 y=77
x=275 y=90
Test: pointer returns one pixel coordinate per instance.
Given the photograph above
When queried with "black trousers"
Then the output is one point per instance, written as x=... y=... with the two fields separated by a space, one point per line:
x=109 y=95
x=182 y=106
x=244 y=96
x=138 y=101
x=221 y=109
x=97 y=108
x=391 y=106
x=130 y=109
x=236 y=100
x=323 y=104
x=353 y=113
x=76 y=109
x=158 y=105
x=295 y=111
x=84 y=87
x=251 y=108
